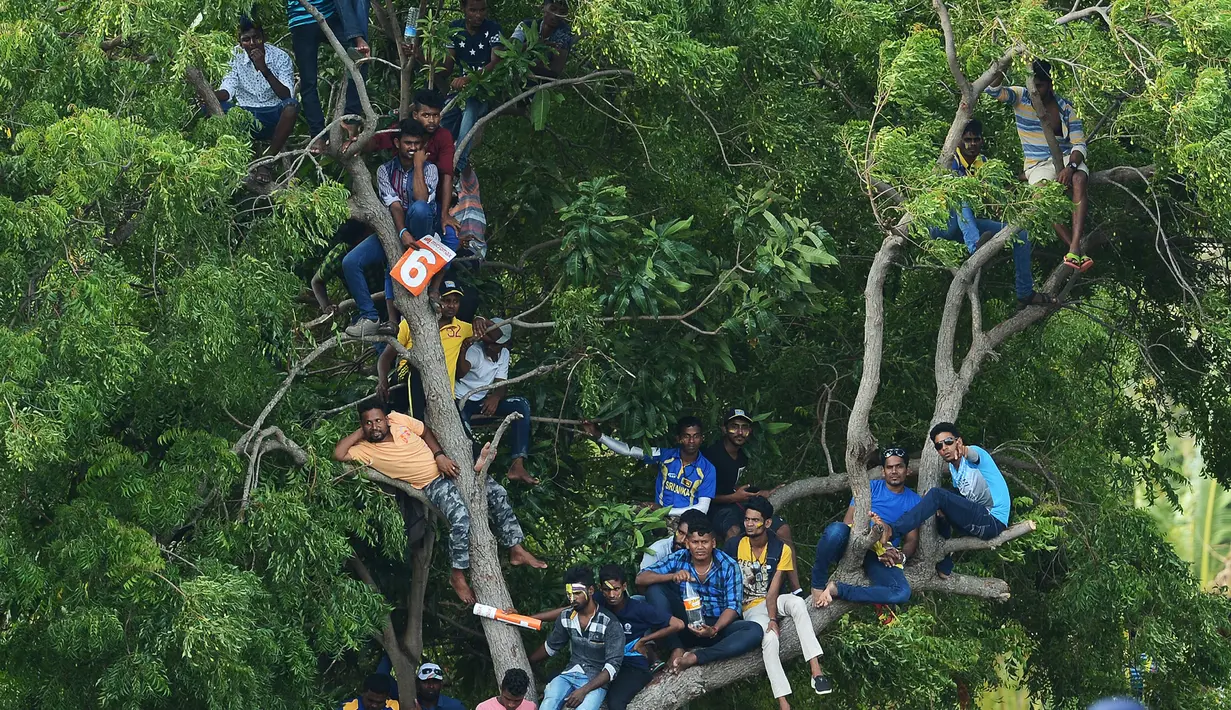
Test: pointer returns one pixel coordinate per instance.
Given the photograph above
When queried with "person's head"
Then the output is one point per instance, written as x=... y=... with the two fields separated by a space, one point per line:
x=374 y=420
x=428 y=105
x=613 y=584
x=972 y=139
x=688 y=432
x=376 y=691
x=688 y=519
x=579 y=587
x=475 y=12
x=758 y=512
x=450 y=299
x=513 y=688
x=947 y=440
x=896 y=464
x=251 y=35
x=496 y=339
x=736 y=427
x=431 y=680
x=554 y=12
x=412 y=136
x=700 y=541
x=1041 y=68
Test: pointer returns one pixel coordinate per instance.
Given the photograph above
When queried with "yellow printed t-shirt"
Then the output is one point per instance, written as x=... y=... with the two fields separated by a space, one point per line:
x=757 y=575
x=402 y=455
x=451 y=337
x=354 y=704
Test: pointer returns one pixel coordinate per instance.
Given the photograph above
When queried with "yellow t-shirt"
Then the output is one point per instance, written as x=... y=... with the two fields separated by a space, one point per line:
x=451 y=337
x=402 y=455
x=756 y=573
x=353 y=704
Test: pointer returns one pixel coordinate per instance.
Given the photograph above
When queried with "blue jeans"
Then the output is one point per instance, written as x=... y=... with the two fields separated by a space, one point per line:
x=738 y=637
x=423 y=218
x=520 y=429
x=965 y=515
x=267 y=117
x=306 y=41
x=559 y=688
x=965 y=227
x=888 y=584
x=366 y=253
x=460 y=122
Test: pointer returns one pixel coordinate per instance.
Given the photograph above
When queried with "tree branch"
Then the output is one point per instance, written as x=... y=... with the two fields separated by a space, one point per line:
x=955 y=66
x=204 y=91
x=959 y=544
x=463 y=397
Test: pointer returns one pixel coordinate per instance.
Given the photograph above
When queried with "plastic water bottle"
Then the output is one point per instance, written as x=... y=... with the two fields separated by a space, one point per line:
x=412 y=22
x=692 y=606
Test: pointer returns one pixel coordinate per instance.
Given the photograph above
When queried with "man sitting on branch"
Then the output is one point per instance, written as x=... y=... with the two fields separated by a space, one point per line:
x=686 y=479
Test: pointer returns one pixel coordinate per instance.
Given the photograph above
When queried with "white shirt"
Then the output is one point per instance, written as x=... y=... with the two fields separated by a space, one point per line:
x=658 y=550
x=248 y=87
x=483 y=372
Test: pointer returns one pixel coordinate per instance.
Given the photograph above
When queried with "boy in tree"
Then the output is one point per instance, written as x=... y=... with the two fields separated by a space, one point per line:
x=596 y=647
x=685 y=478
x=470 y=50
x=764 y=562
x=553 y=30
x=482 y=366
x=884 y=562
x=259 y=81
x=1062 y=118
x=375 y=696
x=512 y=696
x=643 y=625
x=659 y=549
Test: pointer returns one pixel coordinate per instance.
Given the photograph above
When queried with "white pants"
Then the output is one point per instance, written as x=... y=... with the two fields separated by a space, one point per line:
x=1046 y=171
x=796 y=609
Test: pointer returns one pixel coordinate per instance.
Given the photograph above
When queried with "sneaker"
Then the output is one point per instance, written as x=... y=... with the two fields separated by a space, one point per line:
x=363 y=328
x=821 y=685
x=799 y=592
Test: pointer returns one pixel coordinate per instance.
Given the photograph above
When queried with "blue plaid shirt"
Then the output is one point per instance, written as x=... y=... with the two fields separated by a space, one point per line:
x=723 y=589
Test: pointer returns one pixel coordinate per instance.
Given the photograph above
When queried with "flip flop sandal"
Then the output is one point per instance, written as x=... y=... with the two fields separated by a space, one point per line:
x=1073 y=261
x=1086 y=264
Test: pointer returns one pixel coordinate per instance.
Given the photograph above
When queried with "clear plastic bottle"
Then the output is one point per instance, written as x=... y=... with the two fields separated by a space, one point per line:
x=692 y=606
x=412 y=22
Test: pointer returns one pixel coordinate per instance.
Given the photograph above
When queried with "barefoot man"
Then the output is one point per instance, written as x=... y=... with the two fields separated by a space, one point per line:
x=402 y=447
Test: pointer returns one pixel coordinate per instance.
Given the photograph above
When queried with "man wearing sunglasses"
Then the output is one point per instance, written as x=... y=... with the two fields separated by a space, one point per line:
x=427 y=690
x=979 y=508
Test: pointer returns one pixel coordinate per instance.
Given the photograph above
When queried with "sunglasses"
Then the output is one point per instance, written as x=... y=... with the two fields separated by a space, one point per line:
x=947 y=441
x=894 y=451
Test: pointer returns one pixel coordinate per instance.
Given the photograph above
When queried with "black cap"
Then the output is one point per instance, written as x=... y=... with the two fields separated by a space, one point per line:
x=449 y=287
x=736 y=414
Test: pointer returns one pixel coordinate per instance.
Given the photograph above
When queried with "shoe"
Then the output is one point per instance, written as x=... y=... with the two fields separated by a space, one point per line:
x=362 y=328
x=821 y=685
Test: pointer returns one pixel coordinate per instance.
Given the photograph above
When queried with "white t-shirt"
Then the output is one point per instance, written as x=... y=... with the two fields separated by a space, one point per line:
x=483 y=372
x=658 y=550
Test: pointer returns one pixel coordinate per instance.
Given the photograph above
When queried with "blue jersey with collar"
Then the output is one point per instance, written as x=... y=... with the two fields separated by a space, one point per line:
x=680 y=485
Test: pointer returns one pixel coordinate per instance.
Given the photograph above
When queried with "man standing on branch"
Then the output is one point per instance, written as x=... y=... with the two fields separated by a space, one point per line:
x=883 y=563
x=471 y=50
x=259 y=81
x=716 y=579
x=764 y=561
x=1062 y=118
x=482 y=366
x=685 y=478
x=643 y=625
x=402 y=447
x=596 y=647
x=981 y=509
x=729 y=461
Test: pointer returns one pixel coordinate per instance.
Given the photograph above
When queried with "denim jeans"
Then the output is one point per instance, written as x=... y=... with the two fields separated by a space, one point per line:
x=738 y=637
x=965 y=515
x=519 y=429
x=562 y=685
x=460 y=122
x=306 y=41
x=965 y=227
x=888 y=584
x=267 y=117
x=367 y=253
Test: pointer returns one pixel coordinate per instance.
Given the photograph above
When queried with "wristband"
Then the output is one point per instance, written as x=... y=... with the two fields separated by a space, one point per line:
x=437 y=453
x=404 y=229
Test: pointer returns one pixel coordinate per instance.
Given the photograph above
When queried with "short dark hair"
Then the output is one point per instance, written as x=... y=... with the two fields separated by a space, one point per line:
x=430 y=97
x=702 y=526
x=516 y=682
x=579 y=575
x=686 y=422
x=247 y=23
x=370 y=403
x=896 y=450
x=378 y=683
x=614 y=573
x=692 y=517
x=760 y=504
x=974 y=126
x=1041 y=69
x=944 y=427
x=411 y=127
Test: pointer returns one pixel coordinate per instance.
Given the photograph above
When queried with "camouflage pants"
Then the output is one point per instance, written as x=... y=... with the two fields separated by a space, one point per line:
x=444 y=494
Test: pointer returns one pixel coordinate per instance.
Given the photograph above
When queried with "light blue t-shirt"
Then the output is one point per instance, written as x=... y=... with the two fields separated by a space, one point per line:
x=983 y=483
x=890 y=506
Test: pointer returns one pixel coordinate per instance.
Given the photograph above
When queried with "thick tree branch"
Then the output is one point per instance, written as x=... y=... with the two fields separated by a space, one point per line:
x=926 y=580
x=955 y=65
x=205 y=92
x=959 y=544
x=1101 y=10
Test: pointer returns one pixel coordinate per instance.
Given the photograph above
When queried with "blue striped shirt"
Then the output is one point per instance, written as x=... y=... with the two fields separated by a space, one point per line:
x=1030 y=129
x=722 y=589
x=297 y=14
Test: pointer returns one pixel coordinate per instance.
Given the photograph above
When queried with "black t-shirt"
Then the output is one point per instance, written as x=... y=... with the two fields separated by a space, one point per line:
x=638 y=618
x=729 y=469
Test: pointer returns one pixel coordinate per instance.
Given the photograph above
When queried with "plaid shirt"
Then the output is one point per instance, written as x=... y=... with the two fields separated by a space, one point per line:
x=723 y=589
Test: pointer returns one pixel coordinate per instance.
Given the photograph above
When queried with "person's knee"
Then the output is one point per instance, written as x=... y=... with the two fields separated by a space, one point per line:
x=837 y=531
x=520 y=404
x=900 y=593
x=290 y=109
x=420 y=210
x=769 y=643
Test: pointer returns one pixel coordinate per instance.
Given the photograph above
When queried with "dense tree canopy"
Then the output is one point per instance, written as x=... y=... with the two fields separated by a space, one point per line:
x=735 y=217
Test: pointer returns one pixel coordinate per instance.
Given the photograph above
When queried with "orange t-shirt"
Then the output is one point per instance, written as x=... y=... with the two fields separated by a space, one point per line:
x=402 y=455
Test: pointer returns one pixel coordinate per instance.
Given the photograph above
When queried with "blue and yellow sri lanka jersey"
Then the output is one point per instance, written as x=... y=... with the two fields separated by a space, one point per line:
x=679 y=485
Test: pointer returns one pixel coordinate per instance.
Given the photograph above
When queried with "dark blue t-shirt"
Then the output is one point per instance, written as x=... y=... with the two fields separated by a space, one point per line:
x=473 y=51
x=639 y=618
x=891 y=506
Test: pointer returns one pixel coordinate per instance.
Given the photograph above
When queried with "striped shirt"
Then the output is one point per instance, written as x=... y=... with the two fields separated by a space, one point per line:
x=469 y=213
x=723 y=587
x=396 y=184
x=297 y=14
x=1030 y=129
x=596 y=648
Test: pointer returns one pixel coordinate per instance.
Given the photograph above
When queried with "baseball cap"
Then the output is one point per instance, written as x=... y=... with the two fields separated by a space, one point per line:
x=505 y=331
x=431 y=671
x=449 y=287
x=736 y=414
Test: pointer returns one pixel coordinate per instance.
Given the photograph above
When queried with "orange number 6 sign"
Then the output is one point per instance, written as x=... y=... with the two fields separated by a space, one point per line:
x=417 y=266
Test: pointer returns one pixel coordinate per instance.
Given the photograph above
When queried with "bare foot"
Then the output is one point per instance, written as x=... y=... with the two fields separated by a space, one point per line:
x=818 y=595
x=942 y=575
x=518 y=472
x=485 y=457
x=519 y=555
x=457 y=580
x=783 y=704
x=827 y=595
x=262 y=174
x=683 y=662
x=318 y=147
